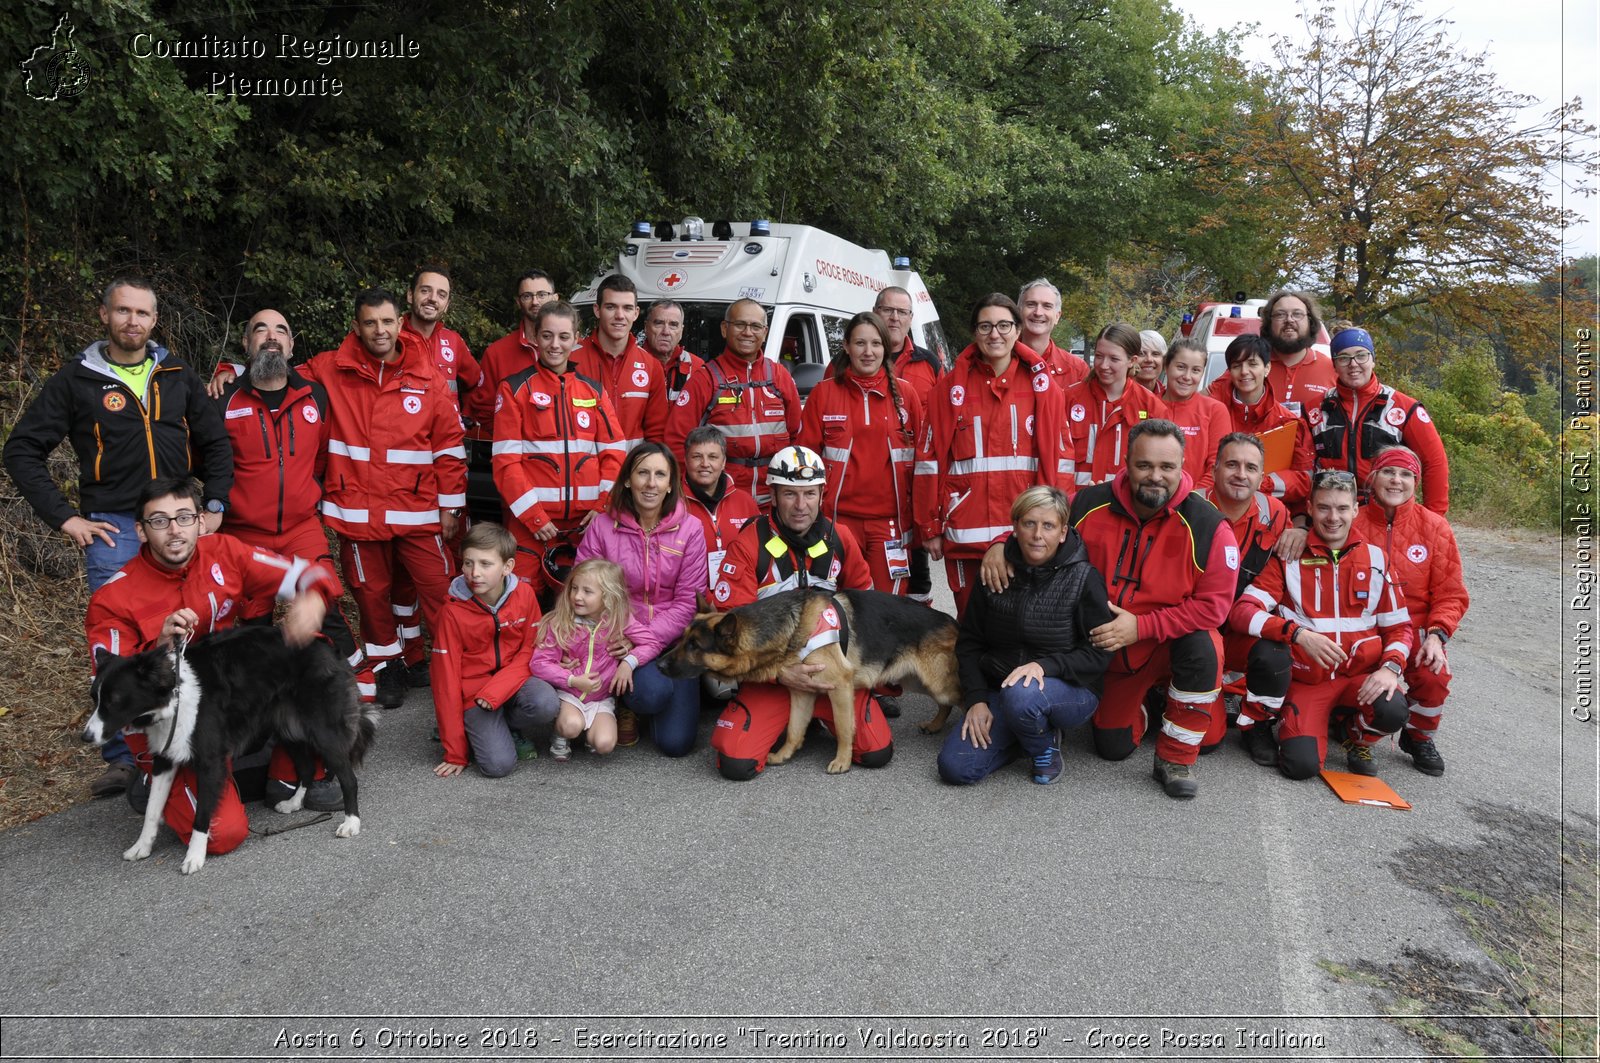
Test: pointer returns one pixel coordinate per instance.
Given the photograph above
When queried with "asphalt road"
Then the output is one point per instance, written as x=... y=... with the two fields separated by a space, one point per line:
x=635 y=897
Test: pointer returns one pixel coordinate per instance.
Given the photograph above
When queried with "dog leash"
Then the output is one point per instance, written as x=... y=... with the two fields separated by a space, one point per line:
x=178 y=648
x=267 y=832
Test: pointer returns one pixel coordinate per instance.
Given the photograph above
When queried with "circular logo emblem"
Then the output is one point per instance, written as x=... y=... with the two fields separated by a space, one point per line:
x=114 y=401
x=309 y=413
x=1077 y=413
x=640 y=378
x=672 y=280
x=958 y=395
x=227 y=607
x=723 y=591
x=1396 y=416
x=1041 y=381
x=1422 y=415
x=683 y=397
x=412 y=404
x=499 y=403
x=835 y=568
x=829 y=616
x=540 y=399
x=216 y=574
x=904 y=417
x=1314 y=415
x=583 y=418
x=447 y=354
x=1417 y=553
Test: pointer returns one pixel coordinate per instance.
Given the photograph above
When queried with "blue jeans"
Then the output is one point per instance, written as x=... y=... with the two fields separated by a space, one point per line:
x=1025 y=719
x=103 y=562
x=673 y=705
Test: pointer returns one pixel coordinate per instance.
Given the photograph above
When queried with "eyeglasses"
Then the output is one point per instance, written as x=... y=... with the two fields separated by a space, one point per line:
x=746 y=326
x=891 y=311
x=1005 y=328
x=1289 y=315
x=534 y=297
x=185 y=519
x=1359 y=358
x=1333 y=478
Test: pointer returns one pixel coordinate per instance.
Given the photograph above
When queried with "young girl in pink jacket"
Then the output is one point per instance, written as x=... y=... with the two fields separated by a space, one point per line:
x=571 y=655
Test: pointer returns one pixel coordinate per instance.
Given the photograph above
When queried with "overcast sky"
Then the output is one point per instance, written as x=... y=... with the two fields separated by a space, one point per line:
x=1548 y=49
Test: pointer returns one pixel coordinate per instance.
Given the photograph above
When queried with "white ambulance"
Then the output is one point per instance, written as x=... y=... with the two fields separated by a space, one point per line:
x=810 y=282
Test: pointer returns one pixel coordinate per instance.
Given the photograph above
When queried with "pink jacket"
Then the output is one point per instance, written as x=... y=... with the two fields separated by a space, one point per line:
x=588 y=652
x=665 y=569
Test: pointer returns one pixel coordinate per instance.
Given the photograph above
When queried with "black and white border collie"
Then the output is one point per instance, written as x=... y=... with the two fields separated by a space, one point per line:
x=201 y=704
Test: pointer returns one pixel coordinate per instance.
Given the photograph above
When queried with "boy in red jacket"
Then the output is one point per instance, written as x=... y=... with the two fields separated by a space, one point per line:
x=482 y=691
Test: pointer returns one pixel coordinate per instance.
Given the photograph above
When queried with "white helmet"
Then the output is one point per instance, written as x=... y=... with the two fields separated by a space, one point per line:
x=796 y=467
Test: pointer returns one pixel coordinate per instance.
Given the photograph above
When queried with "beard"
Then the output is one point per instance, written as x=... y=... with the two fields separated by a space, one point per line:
x=1294 y=346
x=1152 y=495
x=268 y=368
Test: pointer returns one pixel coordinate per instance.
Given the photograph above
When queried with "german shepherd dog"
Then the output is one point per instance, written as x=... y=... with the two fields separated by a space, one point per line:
x=882 y=638
x=201 y=704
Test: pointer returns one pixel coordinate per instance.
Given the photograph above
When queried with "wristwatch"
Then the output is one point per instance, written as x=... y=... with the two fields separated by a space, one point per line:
x=217 y=506
x=1395 y=668
x=1439 y=634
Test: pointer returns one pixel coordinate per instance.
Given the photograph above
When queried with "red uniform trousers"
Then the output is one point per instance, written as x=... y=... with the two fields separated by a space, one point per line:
x=874 y=534
x=531 y=551
x=1191 y=665
x=369 y=567
x=1264 y=664
x=757 y=717
x=1425 y=695
x=406 y=604
x=962 y=574
x=229 y=823
x=1303 y=728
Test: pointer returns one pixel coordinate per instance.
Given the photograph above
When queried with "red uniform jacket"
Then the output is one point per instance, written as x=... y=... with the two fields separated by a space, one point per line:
x=1067 y=368
x=1349 y=430
x=1300 y=389
x=1424 y=562
x=126 y=613
x=450 y=355
x=756 y=406
x=278 y=457
x=1098 y=428
x=636 y=386
x=868 y=445
x=1343 y=594
x=504 y=359
x=556 y=448
x=1176 y=570
x=395 y=452
x=987 y=439
x=479 y=652
x=1256 y=532
x=1291 y=485
x=679 y=366
x=721 y=517
x=760 y=563
x=1204 y=421
x=920 y=368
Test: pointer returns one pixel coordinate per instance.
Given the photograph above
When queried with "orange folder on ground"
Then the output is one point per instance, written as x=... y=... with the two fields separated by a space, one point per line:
x=1280 y=446
x=1364 y=790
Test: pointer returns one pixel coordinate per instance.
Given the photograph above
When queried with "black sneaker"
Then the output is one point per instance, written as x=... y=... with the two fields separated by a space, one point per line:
x=277 y=791
x=1260 y=744
x=1178 y=780
x=417 y=675
x=1358 y=758
x=890 y=706
x=392 y=684
x=1424 y=754
x=139 y=792
x=324 y=795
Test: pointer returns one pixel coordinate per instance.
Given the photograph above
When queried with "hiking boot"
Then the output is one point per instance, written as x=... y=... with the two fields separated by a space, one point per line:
x=417 y=675
x=627 y=727
x=115 y=779
x=1178 y=780
x=1260 y=744
x=526 y=750
x=1047 y=766
x=139 y=792
x=324 y=795
x=560 y=750
x=276 y=791
x=1424 y=754
x=392 y=684
x=1358 y=758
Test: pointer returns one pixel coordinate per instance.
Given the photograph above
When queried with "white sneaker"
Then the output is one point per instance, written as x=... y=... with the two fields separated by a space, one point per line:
x=560 y=749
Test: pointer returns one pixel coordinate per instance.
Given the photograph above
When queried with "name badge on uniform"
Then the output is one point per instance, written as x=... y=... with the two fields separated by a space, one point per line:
x=727 y=400
x=714 y=563
x=899 y=560
x=584 y=402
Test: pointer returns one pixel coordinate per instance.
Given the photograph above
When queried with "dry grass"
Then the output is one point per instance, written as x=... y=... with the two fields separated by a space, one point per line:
x=44 y=672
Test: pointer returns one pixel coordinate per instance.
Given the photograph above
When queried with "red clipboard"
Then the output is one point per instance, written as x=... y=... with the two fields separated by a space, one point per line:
x=1355 y=789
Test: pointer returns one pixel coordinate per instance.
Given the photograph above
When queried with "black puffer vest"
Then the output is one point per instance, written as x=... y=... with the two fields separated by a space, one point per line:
x=1038 y=613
